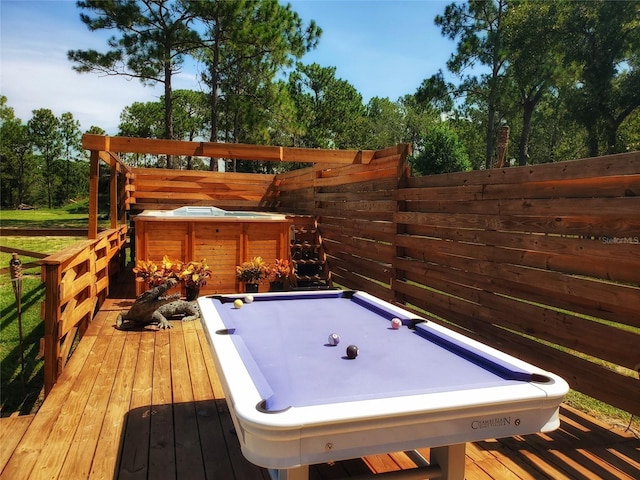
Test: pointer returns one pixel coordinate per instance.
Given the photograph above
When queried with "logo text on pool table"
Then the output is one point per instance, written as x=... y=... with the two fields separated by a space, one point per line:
x=495 y=422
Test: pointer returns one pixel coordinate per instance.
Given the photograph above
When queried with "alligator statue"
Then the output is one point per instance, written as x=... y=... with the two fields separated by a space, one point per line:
x=153 y=308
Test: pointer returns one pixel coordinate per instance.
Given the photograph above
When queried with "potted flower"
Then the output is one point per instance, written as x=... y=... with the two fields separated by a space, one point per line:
x=194 y=275
x=150 y=274
x=252 y=273
x=278 y=274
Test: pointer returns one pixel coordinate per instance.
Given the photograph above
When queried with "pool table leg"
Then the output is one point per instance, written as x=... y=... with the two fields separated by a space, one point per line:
x=298 y=473
x=450 y=459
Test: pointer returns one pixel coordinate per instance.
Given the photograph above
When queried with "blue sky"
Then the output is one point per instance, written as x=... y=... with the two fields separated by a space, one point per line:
x=384 y=48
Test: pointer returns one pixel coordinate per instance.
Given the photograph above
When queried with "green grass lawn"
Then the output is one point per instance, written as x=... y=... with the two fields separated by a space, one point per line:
x=21 y=391
x=70 y=216
x=14 y=395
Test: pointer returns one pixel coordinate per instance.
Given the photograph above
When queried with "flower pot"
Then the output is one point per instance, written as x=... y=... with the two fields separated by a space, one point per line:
x=192 y=293
x=251 y=288
x=276 y=286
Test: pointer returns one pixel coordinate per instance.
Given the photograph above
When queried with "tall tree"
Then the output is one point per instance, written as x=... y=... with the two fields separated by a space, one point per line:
x=531 y=40
x=71 y=138
x=141 y=119
x=191 y=114
x=478 y=26
x=154 y=37
x=330 y=109
x=44 y=130
x=386 y=123
x=191 y=119
x=603 y=41
x=17 y=166
x=261 y=35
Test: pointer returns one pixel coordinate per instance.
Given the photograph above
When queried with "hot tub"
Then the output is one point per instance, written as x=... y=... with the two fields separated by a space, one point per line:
x=224 y=238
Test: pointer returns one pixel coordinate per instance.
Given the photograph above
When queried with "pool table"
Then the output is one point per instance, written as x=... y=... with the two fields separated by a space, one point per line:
x=297 y=399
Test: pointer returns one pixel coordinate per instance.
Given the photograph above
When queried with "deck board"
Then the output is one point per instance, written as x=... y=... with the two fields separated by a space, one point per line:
x=12 y=429
x=148 y=404
x=162 y=462
x=118 y=406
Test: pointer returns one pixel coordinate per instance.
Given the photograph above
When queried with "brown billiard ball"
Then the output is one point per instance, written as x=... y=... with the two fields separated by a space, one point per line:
x=352 y=352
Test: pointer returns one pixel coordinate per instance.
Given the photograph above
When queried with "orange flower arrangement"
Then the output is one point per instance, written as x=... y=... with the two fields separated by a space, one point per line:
x=193 y=274
x=253 y=271
x=279 y=272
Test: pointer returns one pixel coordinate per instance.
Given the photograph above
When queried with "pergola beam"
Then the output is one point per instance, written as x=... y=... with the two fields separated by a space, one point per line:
x=238 y=151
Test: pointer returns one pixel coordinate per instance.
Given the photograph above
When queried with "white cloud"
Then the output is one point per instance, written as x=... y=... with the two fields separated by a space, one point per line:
x=37 y=74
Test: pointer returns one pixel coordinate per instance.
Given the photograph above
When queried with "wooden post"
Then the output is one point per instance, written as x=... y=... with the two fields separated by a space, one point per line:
x=51 y=320
x=113 y=195
x=124 y=197
x=94 y=176
x=503 y=145
x=401 y=182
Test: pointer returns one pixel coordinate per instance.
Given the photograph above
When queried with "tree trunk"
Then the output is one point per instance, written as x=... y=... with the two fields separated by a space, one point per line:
x=592 y=140
x=490 y=137
x=168 y=107
x=213 y=164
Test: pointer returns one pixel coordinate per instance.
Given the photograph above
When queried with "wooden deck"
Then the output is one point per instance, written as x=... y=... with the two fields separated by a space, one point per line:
x=148 y=405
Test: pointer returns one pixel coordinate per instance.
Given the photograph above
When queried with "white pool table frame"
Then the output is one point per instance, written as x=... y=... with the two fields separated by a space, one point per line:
x=289 y=441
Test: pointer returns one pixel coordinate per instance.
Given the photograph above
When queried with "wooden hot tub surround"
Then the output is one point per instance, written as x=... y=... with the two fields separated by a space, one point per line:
x=225 y=239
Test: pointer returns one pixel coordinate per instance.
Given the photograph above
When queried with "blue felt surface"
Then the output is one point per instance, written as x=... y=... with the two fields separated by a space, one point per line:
x=284 y=344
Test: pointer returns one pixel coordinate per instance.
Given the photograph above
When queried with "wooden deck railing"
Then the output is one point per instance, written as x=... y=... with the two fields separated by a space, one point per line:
x=77 y=282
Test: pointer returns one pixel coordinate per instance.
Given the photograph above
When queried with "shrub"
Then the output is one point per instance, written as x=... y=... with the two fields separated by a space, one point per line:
x=439 y=151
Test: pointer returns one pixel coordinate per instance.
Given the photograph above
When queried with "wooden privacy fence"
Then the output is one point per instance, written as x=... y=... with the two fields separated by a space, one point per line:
x=161 y=189
x=354 y=205
x=540 y=261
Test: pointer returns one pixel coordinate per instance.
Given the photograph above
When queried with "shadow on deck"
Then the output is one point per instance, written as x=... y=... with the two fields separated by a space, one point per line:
x=148 y=405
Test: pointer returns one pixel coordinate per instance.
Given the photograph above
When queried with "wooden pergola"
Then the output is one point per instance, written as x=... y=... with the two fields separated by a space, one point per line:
x=107 y=149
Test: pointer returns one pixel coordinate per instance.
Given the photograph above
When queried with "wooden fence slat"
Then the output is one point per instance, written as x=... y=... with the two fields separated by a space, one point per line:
x=363 y=248
x=366 y=232
x=590 y=224
x=359 y=205
x=597 y=339
x=624 y=209
x=614 y=186
x=590 y=296
x=609 y=165
x=582 y=375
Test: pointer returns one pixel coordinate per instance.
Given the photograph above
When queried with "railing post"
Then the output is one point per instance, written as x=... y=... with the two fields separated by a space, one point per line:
x=51 y=321
x=94 y=175
x=113 y=196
